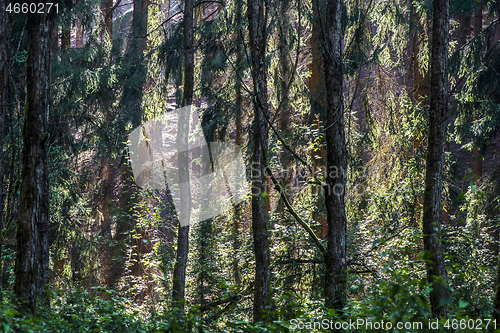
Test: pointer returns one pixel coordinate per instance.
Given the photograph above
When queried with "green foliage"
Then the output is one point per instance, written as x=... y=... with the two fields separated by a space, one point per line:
x=91 y=114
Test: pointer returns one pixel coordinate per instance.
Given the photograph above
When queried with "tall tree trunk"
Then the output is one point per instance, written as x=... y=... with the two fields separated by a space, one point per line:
x=131 y=104
x=5 y=55
x=32 y=262
x=335 y=256
x=285 y=118
x=496 y=300
x=257 y=23
x=436 y=268
x=285 y=129
x=318 y=106
x=238 y=209
x=477 y=166
x=106 y=163
x=179 y=278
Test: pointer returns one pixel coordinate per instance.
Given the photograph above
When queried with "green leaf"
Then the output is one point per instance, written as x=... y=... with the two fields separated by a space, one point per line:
x=462 y=304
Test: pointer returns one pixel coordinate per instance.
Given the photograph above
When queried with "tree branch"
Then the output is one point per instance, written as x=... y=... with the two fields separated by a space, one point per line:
x=278 y=186
x=113 y=8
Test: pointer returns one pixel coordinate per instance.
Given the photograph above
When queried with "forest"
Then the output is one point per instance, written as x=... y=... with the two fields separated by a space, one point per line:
x=250 y=166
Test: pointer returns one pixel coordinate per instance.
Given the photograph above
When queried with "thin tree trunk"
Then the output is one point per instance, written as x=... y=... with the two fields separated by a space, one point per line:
x=496 y=300
x=105 y=172
x=318 y=106
x=239 y=140
x=5 y=56
x=477 y=166
x=179 y=278
x=257 y=22
x=436 y=268
x=285 y=129
x=335 y=256
x=32 y=264
x=284 y=122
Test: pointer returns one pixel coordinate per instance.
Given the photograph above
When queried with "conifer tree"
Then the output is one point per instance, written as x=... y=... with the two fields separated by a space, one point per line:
x=32 y=263
x=179 y=278
x=5 y=55
x=335 y=256
x=257 y=13
x=438 y=113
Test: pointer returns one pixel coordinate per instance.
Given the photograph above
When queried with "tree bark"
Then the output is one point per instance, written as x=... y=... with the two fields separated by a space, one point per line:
x=285 y=117
x=5 y=56
x=496 y=300
x=317 y=113
x=179 y=278
x=335 y=256
x=131 y=105
x=32 y=262
x=79 y=34
x=477 y=164
x=257 y=22
x=436 y=268
x=238 y=209
x=66 y=38
x=107 y=14
x=421 y=83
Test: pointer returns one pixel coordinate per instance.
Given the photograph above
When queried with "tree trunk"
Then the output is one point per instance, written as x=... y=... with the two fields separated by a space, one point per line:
x=179 y=278
x=318 y=103
x=131 y=105
x=66 y=38
x=421 y=87
x=32 y=262
x=257 y=22
x=436 y=268
x=105 y=172
x=477 y=166
x=107 y=13
x=496 y=300
x=285 y=117
x=335 y=256
x=5 y=55
x=79 y=34
x=238 y=209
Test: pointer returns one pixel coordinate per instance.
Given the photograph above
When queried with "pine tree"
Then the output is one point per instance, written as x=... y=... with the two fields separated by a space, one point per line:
x=5 y=55
x=32 y=264
x=436 y=268
x=335 y=256
x=257 y=12
x=179 y=278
